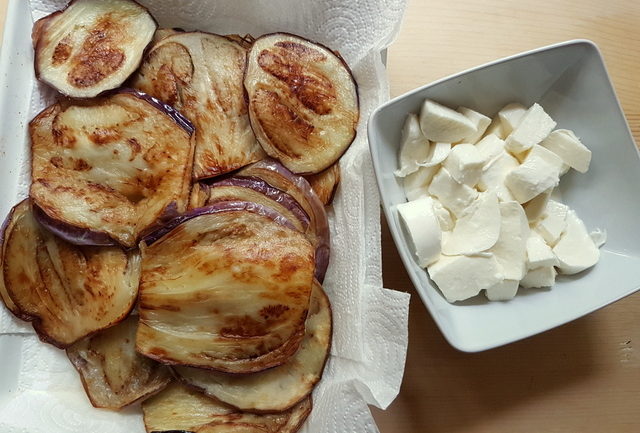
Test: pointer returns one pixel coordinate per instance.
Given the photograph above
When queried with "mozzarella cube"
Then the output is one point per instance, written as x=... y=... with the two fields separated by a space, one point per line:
x=540 y=277
x=414 y=148
x=490 y=147
x=554 y=223
x=462 y=277
x=496 y=128
x=453 y=195
x=480 y=121
x=416 y=184
x=510 y=116
x=440 y=123
x=511 y=248
x=443 y=215
x=568 y=147
x=539 y=254
x=539 y=172
x=536 y=207
x=575 y=250
x=465 y=164
x=534 y=127
x=502 y=291
x=494 y=174
x=422 y=225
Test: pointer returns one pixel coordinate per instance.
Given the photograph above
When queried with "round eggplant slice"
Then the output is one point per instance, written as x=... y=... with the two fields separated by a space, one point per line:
x=325 y=183
x=201 y=75
x=66 y=291
x=180 y=409
x=279 y=388
x=278 y=176
x=225 y=287
x=91 y=46
x=303 y=101
x=109 y=170
x=113 y=374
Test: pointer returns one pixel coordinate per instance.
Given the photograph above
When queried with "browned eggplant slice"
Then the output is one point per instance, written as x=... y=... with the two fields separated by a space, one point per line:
x=325 y=183
x=113 y=374
x=92 y=45
x=278 y=176
x=279 y=388
x=180 y=409
x=66 y=291
x=303 y=101
x=225 y=287
x=109 y=170
x=201 y=75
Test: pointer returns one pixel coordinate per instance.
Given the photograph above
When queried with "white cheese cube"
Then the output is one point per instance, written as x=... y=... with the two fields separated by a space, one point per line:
x=490 y=147
x=537 y=206
x=443 y=215
x=554 y=223
x=416 y=184
x=502 y=291
x=534 y=127
x=575 y=250
x=510 y=116
x=539 y=172
x=422 y=225
x=464 y=163
x=494 y=174
x=453 y=195
x=568 y=147
x=462 y=277
x=496 y=128
x=439 y=152
x=539 y=254
x=480 y=121
x=540 y=277
x=476 y=230
x=414 y=148
x=440 y=123
x=510 y=249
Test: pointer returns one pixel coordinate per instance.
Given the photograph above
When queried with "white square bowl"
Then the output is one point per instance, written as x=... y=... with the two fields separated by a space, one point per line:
x=571 y=82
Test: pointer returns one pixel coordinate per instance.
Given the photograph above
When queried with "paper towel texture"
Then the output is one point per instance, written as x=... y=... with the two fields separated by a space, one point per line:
x=40 y=391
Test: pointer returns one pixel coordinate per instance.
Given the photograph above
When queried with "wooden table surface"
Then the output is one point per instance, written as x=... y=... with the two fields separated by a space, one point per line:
x=583 y=377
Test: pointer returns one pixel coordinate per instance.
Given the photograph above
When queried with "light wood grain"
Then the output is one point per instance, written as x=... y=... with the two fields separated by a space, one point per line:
x=583 y=377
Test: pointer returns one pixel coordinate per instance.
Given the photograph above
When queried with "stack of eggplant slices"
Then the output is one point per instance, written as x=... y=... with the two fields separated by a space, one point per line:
x=175 y=237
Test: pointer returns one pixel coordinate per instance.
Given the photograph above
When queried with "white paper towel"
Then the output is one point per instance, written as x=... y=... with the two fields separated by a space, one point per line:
x=39 y=390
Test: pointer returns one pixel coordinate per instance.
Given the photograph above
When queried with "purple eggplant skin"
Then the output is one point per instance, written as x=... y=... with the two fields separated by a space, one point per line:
x=223 y=206
x=72 y=234
x=174 y=114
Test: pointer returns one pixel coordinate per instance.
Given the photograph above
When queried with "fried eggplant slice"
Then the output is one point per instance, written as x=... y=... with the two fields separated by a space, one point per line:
x=109 y=170
x=91 y=46
x=225 y=287
x=180 y=409
x=201 y=75
x=279 y=388
x=66 y=291
x=325 y=183
x=278 y=176
x=113 y=374
x=303 y=101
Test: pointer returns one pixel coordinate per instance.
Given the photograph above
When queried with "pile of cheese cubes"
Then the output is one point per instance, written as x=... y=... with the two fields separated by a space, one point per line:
x=480 y=213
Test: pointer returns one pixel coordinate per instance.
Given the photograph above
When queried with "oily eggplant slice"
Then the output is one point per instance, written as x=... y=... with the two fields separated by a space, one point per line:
x=278 y=176
x=113 y=374
x=5 y=231
x=225 y=287
x=279 y=388
x=303 y=101
x=91 y=46
x=325 y=183
x=201 y=75
x=66 y=291
x=107 y=170
x=180 y=409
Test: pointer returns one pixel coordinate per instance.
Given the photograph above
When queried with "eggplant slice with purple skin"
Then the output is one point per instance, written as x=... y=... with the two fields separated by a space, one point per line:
x=201 y=75
x=108 y=170
x=303 y=101
x=180 y=409
x=66 y=291
x=91 y=46
x=325 y=183
x=281 y=387
x=113 y=374
x=225 y=287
